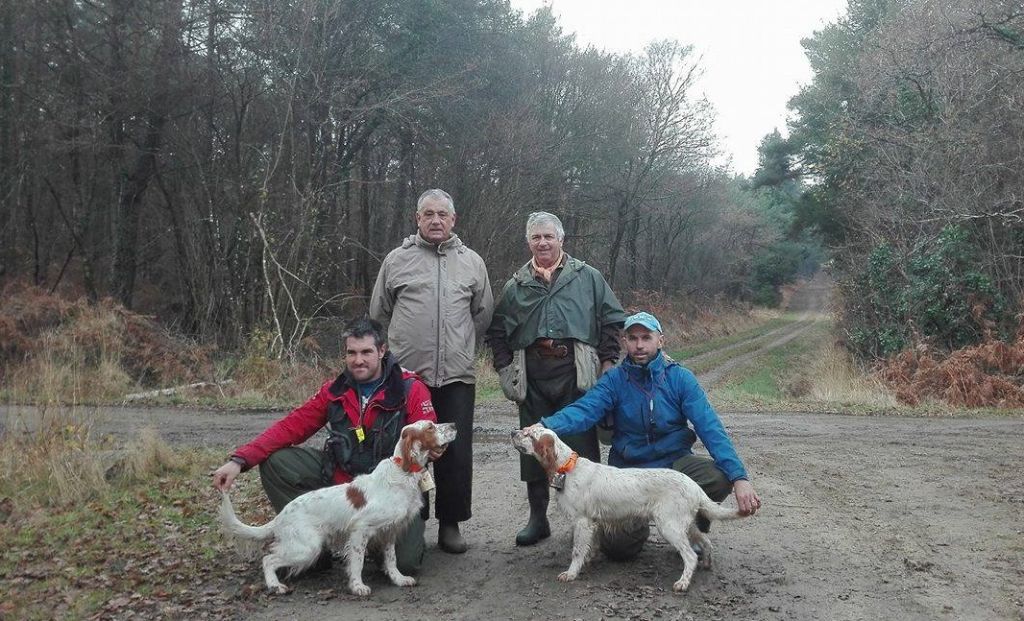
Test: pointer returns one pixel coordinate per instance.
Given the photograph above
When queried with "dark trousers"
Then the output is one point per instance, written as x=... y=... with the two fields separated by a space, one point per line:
x=550 y=386
x=453 y=473
x=295 y=470
x=626 y=543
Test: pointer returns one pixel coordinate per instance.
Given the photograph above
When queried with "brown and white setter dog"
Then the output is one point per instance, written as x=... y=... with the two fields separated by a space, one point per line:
x=377 y=506
x=596 y=496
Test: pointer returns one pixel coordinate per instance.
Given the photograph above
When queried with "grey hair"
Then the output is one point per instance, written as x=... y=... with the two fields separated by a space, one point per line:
x=541 y=218
x=435 y=194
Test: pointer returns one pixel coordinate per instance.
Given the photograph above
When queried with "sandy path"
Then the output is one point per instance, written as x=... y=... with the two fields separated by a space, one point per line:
x=864 y=518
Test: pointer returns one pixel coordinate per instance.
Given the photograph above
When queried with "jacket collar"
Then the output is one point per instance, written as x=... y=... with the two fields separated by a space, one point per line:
x=452 y=243
x=394 y=393
x=572 y=266
x=657 y=365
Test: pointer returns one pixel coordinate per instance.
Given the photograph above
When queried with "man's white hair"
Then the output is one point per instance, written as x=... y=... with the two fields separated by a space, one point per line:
x=543 y=218
x=437 y=195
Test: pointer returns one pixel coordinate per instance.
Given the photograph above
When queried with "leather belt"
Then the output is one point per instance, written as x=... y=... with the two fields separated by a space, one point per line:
x=550 y=348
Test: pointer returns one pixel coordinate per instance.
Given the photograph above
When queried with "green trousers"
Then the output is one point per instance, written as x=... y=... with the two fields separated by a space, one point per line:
x=550 y=386
x=295 y=470
x=625 y=544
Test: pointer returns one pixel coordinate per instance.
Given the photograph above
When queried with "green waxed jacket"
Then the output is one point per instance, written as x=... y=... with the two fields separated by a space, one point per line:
x=576 y=306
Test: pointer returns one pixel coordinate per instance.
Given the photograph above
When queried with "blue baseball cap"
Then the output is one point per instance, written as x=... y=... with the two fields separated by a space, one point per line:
x=646 y=320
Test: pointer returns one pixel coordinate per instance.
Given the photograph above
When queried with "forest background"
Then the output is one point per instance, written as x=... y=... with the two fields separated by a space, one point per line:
x=238 y=169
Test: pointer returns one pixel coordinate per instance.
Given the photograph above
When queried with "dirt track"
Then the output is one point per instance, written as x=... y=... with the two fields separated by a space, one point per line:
x=811 y=301
x=864 y=518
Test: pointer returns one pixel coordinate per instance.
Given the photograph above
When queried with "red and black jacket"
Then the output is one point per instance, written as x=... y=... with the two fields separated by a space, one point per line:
x=400 y=390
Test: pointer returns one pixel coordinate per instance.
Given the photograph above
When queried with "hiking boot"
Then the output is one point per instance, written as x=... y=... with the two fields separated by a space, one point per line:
x=450 y=539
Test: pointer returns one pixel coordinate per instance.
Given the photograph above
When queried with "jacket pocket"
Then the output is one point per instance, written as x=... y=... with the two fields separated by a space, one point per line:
x=587 y=365
x=513 y=377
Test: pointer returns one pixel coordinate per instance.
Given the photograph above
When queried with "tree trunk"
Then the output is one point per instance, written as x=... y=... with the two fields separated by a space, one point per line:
x=129 y=210
x=616 y=245
x=7 y=142
x=133 y=185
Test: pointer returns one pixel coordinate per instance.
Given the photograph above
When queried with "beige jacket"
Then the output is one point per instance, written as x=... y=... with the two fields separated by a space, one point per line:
x=434 y=301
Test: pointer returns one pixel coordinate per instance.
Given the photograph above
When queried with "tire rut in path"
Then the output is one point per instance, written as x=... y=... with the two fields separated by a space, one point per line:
x=811 y=299
x=721 y=371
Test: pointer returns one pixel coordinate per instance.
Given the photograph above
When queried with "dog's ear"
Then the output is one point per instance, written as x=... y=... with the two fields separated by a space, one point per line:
x=407 y=443
x=544 y=449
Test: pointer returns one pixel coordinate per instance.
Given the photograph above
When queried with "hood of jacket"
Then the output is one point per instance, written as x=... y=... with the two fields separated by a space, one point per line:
x=638 y=372
x=452 y=243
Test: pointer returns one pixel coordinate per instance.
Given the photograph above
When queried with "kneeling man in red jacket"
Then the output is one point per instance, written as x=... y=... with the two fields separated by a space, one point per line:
x=364 y=410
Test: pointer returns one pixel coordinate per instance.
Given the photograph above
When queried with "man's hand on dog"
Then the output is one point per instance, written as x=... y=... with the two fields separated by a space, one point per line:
x=746 y=498
x=224 y=476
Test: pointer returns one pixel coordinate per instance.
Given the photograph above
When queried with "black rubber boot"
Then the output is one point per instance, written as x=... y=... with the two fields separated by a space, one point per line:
x=537 y=528
x=450 y=539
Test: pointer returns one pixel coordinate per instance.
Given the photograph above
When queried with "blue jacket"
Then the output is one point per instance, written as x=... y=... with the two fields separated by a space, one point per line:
x=652 y=408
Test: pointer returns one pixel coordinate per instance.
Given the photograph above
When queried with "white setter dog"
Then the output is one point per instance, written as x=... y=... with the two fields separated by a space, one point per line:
x=596 y=496
x=376 y=506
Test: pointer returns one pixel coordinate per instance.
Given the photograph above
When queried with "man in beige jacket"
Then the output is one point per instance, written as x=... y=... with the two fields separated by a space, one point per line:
x=434 y=295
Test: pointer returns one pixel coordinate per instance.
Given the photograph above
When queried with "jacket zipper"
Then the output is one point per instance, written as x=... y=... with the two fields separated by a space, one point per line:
x=648 y=419
x=437 y=357
x=650 y=408
x=363 y=408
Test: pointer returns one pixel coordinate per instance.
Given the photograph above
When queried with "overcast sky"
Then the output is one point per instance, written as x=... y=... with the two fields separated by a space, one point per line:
x=750 y=50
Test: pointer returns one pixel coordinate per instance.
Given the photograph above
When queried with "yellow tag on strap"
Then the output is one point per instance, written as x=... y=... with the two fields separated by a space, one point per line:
x=360 y=434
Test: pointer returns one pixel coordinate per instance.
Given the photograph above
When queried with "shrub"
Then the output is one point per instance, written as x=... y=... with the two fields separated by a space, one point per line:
x=990 y=374
x=937 y=293
x=55 y=350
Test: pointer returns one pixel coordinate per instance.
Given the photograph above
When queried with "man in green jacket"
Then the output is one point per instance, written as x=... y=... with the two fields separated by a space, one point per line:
x=434 y=295
x=555 y=330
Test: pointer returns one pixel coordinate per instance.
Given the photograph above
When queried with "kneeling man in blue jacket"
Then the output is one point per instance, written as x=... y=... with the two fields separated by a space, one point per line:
x=658 y=410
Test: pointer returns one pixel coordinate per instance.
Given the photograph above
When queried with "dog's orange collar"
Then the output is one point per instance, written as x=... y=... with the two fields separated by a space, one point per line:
x=569 y=464
x=414 y=467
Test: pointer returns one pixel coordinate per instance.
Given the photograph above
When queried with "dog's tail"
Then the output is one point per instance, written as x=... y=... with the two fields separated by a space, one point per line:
x=234 y=527
x=714 y=511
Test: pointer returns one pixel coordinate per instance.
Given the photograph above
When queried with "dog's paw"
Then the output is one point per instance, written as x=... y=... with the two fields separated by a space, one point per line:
x=359 y=589
x=680 y=585
x=405 y=581
x=704 y=561
x=279 y=589
x=566 y=576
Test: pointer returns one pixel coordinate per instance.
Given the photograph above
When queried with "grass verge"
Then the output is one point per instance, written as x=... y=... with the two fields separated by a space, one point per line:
x=809 y=373
x=698 y=349
x=813 y=374
x=729 y=347
x=488 y=388
x=95 y=530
